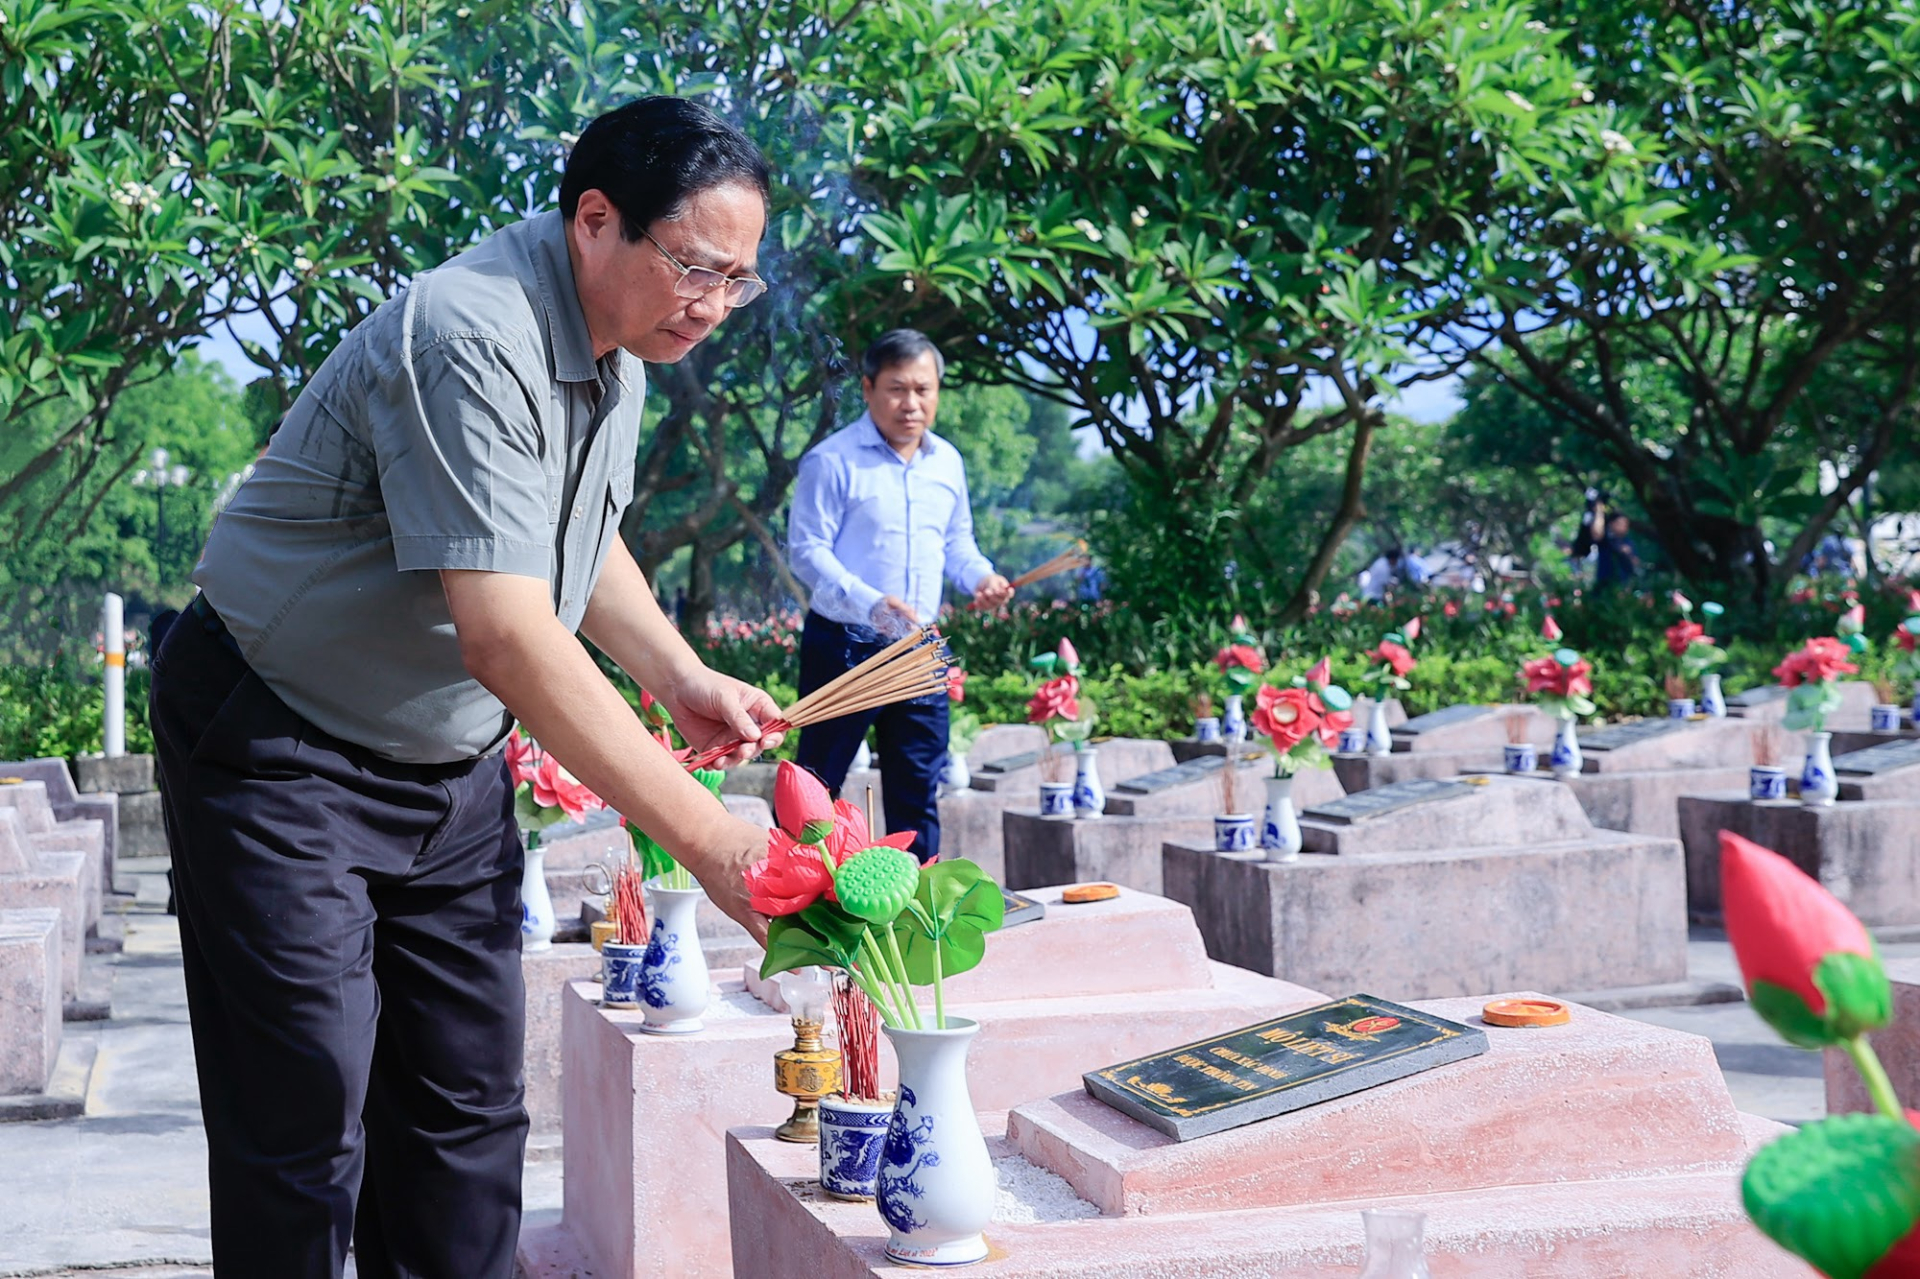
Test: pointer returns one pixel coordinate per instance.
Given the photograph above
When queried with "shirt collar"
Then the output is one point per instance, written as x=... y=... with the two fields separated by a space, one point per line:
x=571 y=346
x=869 y=434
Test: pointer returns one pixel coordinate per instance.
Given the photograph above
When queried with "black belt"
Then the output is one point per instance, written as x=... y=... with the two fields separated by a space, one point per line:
x=214 y=625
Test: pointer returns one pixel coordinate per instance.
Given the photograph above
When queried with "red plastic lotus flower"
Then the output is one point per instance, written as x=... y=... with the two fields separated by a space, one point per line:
x=1546 y=675
x=1681 y=635
x=554 y=786
x=1056 y=699
x=1822 y=659
x=1550 y=629
x=1321 y=675
x=852 y=835
x=1069 y=656
x=1393 y=655
x=1291 y=715
x=801 y=804
x=956 y=684
x=1450 y=609
x=523 y=757
x=1242 y=655
x=1905 y=638
x=790 y=878
x=1810 y=967
x=1411 y=630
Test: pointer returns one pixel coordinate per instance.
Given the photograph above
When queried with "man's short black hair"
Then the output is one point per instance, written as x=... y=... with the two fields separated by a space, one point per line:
x=650 y=155
x=1393 y=555
x=900 y=346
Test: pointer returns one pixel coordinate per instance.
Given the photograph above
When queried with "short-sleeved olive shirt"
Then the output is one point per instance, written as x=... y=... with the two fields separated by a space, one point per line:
x=465 y=424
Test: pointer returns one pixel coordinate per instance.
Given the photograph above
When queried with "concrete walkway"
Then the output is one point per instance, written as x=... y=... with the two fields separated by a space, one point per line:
x=120 y=1192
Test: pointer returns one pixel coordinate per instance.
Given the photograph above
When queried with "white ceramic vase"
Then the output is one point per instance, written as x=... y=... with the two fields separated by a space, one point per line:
x=536 y=904
x=1280 y=833
x=958 y=776
x=1089 y=796
x=936 y=1184
x=1566 y=758
x=672 y=984
x=1818 y=785
x=1234 y=722
x=1712 y=700
x=1379 y=739
x=862 y=758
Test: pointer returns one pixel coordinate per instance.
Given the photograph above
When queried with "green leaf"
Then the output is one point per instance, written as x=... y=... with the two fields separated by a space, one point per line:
x=962 y=905
x=1859 y=996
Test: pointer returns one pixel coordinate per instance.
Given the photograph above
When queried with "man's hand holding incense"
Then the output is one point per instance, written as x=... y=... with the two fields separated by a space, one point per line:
x=992 y=592
x=710 y=709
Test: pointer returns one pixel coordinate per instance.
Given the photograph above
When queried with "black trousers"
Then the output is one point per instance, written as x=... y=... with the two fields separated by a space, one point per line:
x=912 y=736
x=351 y=932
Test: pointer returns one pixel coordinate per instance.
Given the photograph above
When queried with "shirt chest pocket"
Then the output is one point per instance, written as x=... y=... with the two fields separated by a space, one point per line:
x=933 y=505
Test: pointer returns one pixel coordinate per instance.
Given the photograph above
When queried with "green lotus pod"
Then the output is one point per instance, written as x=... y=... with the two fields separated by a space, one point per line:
x=1336 y=698
x=1841 y=1193
x=1712 y=609
x=1565 y=656
x=877 y=883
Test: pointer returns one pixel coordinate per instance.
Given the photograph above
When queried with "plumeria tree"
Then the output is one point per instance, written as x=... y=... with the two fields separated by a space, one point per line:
x=1213 y=232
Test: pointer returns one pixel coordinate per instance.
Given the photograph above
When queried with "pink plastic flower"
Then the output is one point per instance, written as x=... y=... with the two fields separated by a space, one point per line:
x=1056 y=699
x=1550 y=629
x=1321 y=675
x=1240 y=655
x=1411 y=630
x=1068 y=657
x=801 y=804
x=554 y=786
x=1681 y=635
x=1394 y=656
x=1821 y=659
x=523 y=757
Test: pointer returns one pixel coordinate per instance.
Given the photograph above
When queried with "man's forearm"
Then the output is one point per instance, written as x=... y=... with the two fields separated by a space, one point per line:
x=553 y=688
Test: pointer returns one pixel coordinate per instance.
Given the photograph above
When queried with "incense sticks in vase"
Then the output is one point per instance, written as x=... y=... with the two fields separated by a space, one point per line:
x=859 y=1023
x=915 y=665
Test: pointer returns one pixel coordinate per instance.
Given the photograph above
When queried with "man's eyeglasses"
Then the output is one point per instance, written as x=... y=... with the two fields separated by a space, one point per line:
x=698 y=281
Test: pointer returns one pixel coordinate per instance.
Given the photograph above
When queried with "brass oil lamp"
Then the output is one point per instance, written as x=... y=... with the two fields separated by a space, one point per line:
x=807 y=1071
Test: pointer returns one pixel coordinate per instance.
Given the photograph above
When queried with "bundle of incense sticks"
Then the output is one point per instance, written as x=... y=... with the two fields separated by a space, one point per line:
x=859 y=1024
x=915 y=665
x=1064 y=562
x=629 y=906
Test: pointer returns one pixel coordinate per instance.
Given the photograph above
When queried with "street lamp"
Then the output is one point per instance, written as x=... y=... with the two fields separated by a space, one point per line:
x=160 y=477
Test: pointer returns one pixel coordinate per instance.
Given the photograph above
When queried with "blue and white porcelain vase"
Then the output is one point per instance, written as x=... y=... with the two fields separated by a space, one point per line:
x=1522 y=757
x=936 y=1184
x=1206 y=728
x=1234 y=723
x=1056 y=800
x=1712 y=700
x=852 y=1134
x=1886 y=718
x=1818 y=785
x=1280 y=833
x=1679 y=708
x=1353 y=741
x=1565 y=760
x=672 y=982
x=1089 y=796
x=1767 y=782
x=536 y=904
x=1379 y=739
x=958 y=775
x=1235 y=833
x=620 y=974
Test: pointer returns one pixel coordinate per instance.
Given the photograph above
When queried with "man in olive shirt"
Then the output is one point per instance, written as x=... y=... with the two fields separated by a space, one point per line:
x=401 y=578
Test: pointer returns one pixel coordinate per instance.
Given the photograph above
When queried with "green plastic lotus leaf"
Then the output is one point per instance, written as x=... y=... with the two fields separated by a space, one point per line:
x=1581 y=705
x=1565 y=656
x=1858 y=998
x=1395 y=637
x=961 y=906
x=1839 y=1193
x=877 y=883
x=711 y=778
x=1044 y=662
x=1240 y=679
x=1913 y=625
x=1336 y=698
x=1859 y=643
x=821 y=934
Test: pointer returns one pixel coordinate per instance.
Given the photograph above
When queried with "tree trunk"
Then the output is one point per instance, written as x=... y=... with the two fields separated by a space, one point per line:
x=700 y=600
x=1352 y=507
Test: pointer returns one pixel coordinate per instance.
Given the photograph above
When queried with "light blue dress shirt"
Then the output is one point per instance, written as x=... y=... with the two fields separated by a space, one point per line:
x=866 y=525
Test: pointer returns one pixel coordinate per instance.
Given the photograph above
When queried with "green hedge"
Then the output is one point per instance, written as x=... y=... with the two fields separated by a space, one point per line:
x=57 y=711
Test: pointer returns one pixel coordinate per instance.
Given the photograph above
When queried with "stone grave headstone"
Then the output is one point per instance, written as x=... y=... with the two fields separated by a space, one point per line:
x=1100 y=981
x=1276 y=1066
x=1445 y=743
x=1866 y=851
x=1601 y=1148
x=1447 y=888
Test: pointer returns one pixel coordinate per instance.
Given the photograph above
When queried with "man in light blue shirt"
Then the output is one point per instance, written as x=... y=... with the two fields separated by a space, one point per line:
x=880 y=520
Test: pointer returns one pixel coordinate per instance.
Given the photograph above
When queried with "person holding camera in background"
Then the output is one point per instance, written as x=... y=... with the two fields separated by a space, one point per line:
x=1604 y=532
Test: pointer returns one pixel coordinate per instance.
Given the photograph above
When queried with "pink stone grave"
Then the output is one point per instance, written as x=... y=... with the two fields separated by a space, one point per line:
x=645 y=1116
x=32 y=877
x=1599 y=1149
x=1142 y=814
x=1501 y=882
x=30 y=1000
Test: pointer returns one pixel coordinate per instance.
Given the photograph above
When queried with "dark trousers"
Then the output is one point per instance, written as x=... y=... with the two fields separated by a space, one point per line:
x=912 y=735
x=351 y=934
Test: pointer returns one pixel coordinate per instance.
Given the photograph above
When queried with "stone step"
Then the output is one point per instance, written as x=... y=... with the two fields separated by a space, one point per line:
x=30 y=994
